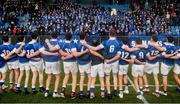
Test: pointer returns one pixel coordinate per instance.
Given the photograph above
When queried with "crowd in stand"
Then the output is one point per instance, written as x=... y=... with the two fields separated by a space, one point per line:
x=24 y=17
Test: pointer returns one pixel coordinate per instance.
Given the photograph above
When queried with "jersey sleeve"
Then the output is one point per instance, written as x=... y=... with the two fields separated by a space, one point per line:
x=73 y=48
x=102 y=44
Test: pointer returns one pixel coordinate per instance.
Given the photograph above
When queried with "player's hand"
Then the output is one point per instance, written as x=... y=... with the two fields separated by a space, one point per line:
x=63 y=58
x=83 y=42
x=46 y=40
x=143 y=63
x=107 y=61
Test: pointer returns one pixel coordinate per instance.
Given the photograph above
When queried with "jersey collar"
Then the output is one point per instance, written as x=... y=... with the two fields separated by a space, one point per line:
x=112 y=38
x=166 y=43
x=6 y=43
x=67 y=41
x=53 y=39
x=32 y=41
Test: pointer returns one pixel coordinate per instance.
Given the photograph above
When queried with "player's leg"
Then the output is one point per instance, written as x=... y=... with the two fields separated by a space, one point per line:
x=156 y=84
x=81 y=81
x=176 y=77
x=94 y=71
x=48 y=82
x=3 y=72
x=74 y=82
x=115 y=69
x=67 y=68
x=120 y=76
x=100 y=71
x=19 y=81
x=56 y=85
x=56 y=71
x=125 y=78
x=41 y=81
x=11 y=77
x=107 y=70
x=26 y=80
x=15 y=66
x=135 y=74
x=34 y=79
x=146 y=84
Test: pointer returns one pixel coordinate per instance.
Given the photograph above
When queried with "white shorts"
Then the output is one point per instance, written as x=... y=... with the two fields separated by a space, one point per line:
x=176 y=69
x=123 y=69
x=165 y=69
x=3 y=69
x=137 y=70
x=13 y=65
x=85 y=69
x=151 y=68
x=97 y=69
x=70 y=67
x=111 y=67
x=36 y=66
x=24 y=66
x=52 y=67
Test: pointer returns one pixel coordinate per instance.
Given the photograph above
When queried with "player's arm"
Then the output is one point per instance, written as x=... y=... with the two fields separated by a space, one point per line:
x=42 y=50
x=5 y=57
x=177 y=56
x=158 y=47
x=33 y=54
x=139 y=62
x=92 y=47
x=18 y=50
x=65 y=55
x=128 y=60
x=152 y=57
x=78 y=54
x=115 y=58
x=96 y=54
x=168 y=55
x=125 y=47
x=52 y=47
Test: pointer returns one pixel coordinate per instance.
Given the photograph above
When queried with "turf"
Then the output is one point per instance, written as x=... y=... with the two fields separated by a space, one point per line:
x=173 y=97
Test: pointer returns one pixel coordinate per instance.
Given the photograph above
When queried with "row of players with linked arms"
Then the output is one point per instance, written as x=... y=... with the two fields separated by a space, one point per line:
x=101 y=58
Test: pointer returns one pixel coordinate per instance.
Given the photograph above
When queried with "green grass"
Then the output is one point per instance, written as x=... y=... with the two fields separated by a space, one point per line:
x=173 y=97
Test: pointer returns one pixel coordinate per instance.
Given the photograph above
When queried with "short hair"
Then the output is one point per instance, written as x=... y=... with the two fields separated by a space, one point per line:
x=68 y=36
x=170 y=39
x=154 y=38
x=139 y=41
x=54 y=35
x=20 y=38
x=82 y=35
x=34 y=36
x=112 y=32
x=5 y=38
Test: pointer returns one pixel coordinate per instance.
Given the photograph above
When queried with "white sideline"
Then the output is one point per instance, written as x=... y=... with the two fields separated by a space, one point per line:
x=123 y=85
x=143 y=98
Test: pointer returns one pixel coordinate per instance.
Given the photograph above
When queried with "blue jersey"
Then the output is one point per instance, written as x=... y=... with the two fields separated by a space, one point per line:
x=140 y=55
x=67 y=47
x=169 y=49
x=23 y=59
x=126 y=55
x=85 y=58
x=2 y=61
x=6 y=49
x=51 y=58
x=31 y=48
x=111 y=47
x=151 y=51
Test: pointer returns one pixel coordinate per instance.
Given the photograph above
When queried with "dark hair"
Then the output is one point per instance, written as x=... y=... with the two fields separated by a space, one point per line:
x=95 y=41
x=34 y=36
x=54 y=35
x=170 y=39
x=68 y=36
x=139 y=41
x=82 y=36
x=5 y=38
x=20 y=38
x=112 y=32
x=125 y=42
x=154 y=38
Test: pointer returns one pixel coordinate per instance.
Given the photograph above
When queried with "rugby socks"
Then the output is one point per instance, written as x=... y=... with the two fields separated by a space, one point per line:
x=11 y=84
x=47 y=90
x=92 y=89
x=126 y=87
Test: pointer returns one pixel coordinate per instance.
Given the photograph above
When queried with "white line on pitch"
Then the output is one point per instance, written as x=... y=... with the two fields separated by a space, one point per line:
x=124 y=85
x=143 y=98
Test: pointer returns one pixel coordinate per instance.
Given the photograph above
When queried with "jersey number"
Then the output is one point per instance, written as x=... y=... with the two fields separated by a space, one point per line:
x=6 y=52
x=68 y=50
x=111 y=49
x=125 y=54
x=30 y=51
x=141 y=55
